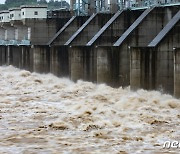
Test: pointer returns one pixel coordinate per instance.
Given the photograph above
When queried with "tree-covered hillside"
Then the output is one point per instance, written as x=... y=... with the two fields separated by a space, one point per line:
x=52 y=4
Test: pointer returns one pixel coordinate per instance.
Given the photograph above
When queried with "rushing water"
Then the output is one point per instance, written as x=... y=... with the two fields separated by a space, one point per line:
x=46 y=115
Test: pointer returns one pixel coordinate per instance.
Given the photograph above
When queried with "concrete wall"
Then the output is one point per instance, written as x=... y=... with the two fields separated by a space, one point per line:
x=43 y=29
x=9 y=32
x=21 y=32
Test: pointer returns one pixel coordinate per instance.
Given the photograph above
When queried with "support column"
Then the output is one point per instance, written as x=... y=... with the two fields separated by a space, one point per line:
x=142 y=68
x=3 y=55
x=27 y=58
x=9 y=55
x=59 y=61
x=41 y=59
x=165 y=70
x=104 y=73
x=135 y=69
x=83 y=63
x=16 y=56
x=76 y=64
x=177 y=73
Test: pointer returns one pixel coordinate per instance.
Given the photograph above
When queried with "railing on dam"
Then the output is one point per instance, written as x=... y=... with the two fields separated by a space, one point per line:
x=14 y=42
x=81 y=7
x=149 y=3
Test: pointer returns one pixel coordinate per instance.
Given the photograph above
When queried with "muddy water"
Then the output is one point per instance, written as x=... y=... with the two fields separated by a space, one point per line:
x=47 y=115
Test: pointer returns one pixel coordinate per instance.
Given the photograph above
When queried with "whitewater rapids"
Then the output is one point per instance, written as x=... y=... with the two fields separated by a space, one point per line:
x=44 y=114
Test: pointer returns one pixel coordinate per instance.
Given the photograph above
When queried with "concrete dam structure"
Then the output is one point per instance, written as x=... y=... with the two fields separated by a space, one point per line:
x=137 y=46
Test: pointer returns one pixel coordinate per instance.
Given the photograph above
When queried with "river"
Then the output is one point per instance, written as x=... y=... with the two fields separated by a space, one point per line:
x=43 y=114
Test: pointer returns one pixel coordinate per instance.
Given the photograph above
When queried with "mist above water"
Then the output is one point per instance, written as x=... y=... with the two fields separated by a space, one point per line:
x=45 y=114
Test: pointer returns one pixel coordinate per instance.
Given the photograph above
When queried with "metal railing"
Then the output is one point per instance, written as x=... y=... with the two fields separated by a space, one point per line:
x=15 y=42
x=3 y=42
x=82 y=7
x=131 y=4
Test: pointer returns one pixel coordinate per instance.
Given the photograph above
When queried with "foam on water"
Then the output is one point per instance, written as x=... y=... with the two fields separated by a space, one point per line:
x=46 y=114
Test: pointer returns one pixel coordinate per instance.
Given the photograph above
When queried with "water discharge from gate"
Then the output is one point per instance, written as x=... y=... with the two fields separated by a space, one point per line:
x=44 y=114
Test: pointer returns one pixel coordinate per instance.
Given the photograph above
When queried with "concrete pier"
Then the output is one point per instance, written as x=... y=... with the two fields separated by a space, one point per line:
x=59 y=61
x=112 y=66
x=177 y=72
x=142 y=68
x=41 y=59
x=27 y=58
x=3 y=55
x=104 y=66
x=83 y=63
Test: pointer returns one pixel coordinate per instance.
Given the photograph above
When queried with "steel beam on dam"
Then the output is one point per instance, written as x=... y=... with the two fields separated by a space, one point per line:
x=61 y=37
x=114 y=28
x=102 y=30
x=88 y=29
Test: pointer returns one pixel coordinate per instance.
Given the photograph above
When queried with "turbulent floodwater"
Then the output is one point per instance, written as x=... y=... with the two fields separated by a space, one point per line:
x=46 y=115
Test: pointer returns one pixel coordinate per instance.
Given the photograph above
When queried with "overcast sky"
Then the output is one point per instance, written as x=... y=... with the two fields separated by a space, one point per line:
x=2 y=1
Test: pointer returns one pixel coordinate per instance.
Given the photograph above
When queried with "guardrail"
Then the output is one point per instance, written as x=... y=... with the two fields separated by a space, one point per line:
x=15 y=42
x=149 y=3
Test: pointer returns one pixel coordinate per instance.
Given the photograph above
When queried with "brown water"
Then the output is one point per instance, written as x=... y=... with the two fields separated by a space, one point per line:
x=47 y=115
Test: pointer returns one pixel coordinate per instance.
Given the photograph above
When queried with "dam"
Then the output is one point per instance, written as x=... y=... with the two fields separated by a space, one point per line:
x=120 y=43
x=100 y=77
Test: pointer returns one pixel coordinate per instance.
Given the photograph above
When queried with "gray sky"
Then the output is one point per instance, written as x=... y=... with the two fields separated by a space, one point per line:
x=2 y=1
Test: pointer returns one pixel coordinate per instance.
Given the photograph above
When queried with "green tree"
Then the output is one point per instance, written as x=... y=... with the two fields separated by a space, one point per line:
x=52 y=4
x=16 y=3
